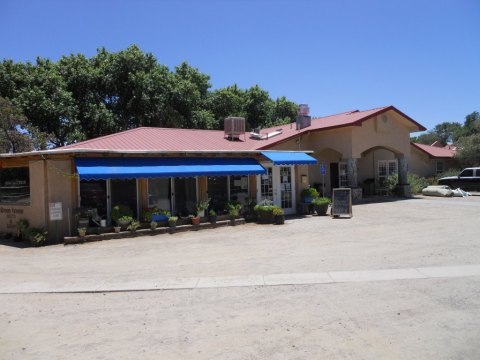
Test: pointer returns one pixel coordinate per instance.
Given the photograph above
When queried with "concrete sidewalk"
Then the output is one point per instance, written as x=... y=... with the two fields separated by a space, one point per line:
x=116 y=284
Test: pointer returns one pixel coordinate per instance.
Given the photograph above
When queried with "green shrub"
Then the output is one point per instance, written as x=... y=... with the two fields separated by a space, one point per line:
x=134 y=225
x=322 y=201
x=37 y=237
x=310 y=192
x=234 y=208
x=417 y=183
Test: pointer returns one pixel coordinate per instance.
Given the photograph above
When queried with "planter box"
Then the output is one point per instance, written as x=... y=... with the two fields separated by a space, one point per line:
x=265 y=217
x=159 y=218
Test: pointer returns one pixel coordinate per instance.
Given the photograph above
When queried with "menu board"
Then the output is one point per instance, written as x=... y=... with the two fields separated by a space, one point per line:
x=342 y=202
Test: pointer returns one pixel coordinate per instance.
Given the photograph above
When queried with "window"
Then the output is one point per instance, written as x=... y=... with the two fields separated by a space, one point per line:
x=385 y=169
x=239 y=189
x=93 y=194
x=440 y=167
x=467 y=173
x=266 y=185
x=15 y=186
x=159 y=191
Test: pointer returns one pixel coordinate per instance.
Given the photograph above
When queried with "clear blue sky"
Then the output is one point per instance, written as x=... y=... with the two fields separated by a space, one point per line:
x=421 y=56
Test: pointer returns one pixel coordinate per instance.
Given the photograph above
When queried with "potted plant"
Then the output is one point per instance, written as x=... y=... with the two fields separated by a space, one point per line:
x=202 y=206
x=234 y=209
x=264 y=212
x=309 y=194
x=124 y=220
x=37 y=237
x=172 y=221
x=212 y=215
x=321 y=205
x=195 y=219
x=82 y=231
x=83 y=217
x=156 y=214
x=153 y=225
x=134 y=225
x=121 y=212
x=278 y=215
x=117 y=229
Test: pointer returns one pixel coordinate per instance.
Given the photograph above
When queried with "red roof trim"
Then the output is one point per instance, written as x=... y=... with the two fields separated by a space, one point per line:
x=430 y=155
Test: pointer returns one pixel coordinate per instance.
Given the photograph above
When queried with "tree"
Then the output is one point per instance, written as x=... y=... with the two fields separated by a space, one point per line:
x=468 y=152
x=79 y=98
x=259 y=108
x=13 y=132
x=445 y=133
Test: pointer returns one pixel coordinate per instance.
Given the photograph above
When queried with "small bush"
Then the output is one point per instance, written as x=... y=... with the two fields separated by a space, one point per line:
x=417 y=183
x=322 y=200
x=310 y=192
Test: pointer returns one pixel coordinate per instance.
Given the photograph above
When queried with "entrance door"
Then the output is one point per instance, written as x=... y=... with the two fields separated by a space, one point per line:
x=278 y=185
x=124 y=192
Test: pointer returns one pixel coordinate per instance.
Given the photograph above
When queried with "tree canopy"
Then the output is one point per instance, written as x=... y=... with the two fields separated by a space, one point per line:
x=78 y=98
x=466 y=137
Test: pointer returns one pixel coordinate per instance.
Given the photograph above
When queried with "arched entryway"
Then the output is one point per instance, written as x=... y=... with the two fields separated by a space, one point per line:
x=375 y=166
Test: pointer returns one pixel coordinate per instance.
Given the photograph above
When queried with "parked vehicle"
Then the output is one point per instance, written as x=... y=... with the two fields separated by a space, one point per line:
x=468 y=179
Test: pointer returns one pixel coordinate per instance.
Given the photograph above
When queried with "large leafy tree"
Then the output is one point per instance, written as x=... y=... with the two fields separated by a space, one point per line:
x=80 y=98
x=468 y=152
x=445 y=133
x=13 y=129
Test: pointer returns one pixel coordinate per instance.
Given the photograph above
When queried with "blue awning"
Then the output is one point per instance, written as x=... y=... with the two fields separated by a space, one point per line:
x=129 y=168
x=289 y=158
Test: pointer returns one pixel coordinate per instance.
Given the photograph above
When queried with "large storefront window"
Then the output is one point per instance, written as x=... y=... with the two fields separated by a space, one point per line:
x=239 y=189
x=93 y=195
x=15 y=186
x=217 y=189
x=159 y=191
x=124 y=192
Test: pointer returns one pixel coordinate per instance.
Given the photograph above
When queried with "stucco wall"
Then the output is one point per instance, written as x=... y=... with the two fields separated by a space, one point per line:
x=35 y=212
x=422 y=165
x=61 y=189
x=392 y=134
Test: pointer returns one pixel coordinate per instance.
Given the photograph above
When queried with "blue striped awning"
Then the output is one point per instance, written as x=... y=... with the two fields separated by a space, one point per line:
x=289 y=158
x=133 y=167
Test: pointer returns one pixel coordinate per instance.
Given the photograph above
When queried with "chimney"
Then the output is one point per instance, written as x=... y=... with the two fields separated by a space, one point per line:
x=303 y=120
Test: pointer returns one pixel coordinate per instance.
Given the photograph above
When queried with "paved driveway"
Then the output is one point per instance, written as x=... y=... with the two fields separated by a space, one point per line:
x=374 y=304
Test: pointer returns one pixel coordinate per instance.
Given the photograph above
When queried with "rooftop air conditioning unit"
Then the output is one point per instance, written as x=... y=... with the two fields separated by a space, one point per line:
x=234 y=127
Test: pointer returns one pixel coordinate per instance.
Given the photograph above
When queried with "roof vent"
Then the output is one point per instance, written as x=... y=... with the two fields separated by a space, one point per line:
x=303 y=120
x=234 y=127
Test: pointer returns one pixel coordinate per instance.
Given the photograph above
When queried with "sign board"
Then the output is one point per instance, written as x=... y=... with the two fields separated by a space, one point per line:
x=323 y=169
x=55 y=211
x=342 y=202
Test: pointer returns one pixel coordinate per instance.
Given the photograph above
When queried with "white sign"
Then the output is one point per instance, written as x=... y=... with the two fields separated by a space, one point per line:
x=55 y=211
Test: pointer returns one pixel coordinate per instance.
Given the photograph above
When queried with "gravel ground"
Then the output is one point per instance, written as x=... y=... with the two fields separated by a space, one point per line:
x=398 y=319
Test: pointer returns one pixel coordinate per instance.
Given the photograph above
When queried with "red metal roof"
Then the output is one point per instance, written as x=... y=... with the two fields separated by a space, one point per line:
x=435 y=151
x=173 y=139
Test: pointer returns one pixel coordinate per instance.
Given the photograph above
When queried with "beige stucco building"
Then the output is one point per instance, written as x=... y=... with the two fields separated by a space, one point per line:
x=356 y=149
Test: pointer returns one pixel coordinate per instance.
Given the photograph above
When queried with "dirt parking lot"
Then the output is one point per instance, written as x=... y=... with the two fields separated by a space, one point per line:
x=49 y=310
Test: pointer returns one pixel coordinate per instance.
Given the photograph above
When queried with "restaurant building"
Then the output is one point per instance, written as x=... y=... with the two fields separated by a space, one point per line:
x=173 y=169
